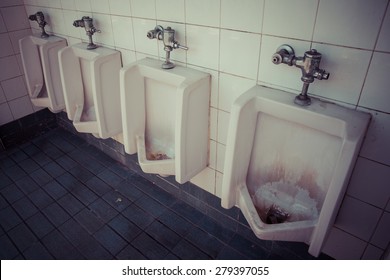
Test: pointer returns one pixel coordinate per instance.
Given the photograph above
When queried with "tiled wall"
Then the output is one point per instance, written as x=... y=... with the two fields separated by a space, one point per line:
x=233 y=41
x=14 y=100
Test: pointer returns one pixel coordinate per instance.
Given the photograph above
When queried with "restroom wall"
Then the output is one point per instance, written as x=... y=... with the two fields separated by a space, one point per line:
x=14 y=100
x=233 y=41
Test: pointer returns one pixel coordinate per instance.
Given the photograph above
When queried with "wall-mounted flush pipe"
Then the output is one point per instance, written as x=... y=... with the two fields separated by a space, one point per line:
x=40 y=18
x=309 y=65
x=167 y=35
x=86 y=22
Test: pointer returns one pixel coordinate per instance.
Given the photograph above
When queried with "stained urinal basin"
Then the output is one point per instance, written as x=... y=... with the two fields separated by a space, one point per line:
x=41 y=68
x=291 y=160
x=165 y=117
x=90 y=80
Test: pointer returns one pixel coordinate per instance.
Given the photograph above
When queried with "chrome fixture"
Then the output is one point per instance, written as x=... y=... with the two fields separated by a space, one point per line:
x=86 y=22
x=40 y=18
x=167 y=35
x=309 y=65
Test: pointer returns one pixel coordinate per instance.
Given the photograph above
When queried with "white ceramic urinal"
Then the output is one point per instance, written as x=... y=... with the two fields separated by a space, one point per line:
x=287 y=166
x=42 y=72
x=165 y=117
x=90 y=80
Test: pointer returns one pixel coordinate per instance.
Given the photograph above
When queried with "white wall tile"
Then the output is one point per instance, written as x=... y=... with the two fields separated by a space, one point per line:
x=127 y=56
x=15 y=18
x=103 y=23
x=383 y=43
x=376 y=144
x=3 y=28
x=5 y=45
x=203 y=12
x=218 y=184
x=358 y=218
x=373 y=96
x=252 y=9
x=239 y=53
x=123 y=32
x=68 y=4
x=223 y=126
x=100 y=6
x=353 y=23
x=120 y=7
x=55 y=21
x=142 y=43
x=213 y=154
x=69 y=18
x=347 y=68
x=2 y=96
x=21 y=107
x=294 y=19
x=144 y=8
x=369 y=182
x=5 y=114
x=14 y=88
x=6 y=3
x=230 y=88
x=282 y=74
x=203 y=44
x=372 y=253
x=213 y=124
x=205 y=180
x=343 y=246
x=83 y=5
x=9 y=68
x=55 y=4
x=381 y=237
x=221 y=149
x=170 y=10
x=15 y=36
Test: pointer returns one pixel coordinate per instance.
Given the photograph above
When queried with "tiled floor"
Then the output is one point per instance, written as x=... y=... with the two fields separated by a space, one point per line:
x=61 y=198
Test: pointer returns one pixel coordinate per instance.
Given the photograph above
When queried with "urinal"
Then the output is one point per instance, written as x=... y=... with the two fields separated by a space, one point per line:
x=90 y=80
x=165 y=117
x=42 y=72
x=287 y=166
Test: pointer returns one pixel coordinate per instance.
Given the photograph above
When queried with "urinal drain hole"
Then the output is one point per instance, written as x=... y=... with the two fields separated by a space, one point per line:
x=156 y=156
x=275 y=215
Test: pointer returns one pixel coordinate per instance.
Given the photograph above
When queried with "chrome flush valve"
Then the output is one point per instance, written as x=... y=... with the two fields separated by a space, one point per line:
x=86 y=22
x=40 y=18
x=309 y=65
x=167 y=35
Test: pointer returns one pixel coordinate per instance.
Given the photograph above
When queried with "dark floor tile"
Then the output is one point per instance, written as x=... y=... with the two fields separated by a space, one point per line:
x=88 y=220
x=53 y=169
x=27 y=185
x=186 y=251
x=60 y=247
x=40 y=198
x=8 y=250
x=54 y=189
x=130 y=253
x=149 y=247
x=14 y=172
x=150 y=205
x=248 y=248
x=66 y=162
x=40 y=225
x=4 y=180
x=165 y=236
x=6 y=162
x=28 y=165
x=25 y=208
x=118 y=201
x=84 y=194
x=138 y=216
x=52 y=151
x=110 y=177
x=3 y=203
x=37 y=252
x=11 y=193
x=61 y=143
x=129 y=190
x=126 y=229
x=56 y=215
x=175 y=222
x=216 y=229
x=30 y=149
x=98 y=186
x=41 y=177
x=18 y=155
x=68 y=181
x=205 y=242
x=91 y=249
x=41 y=158
x=121 y=170
x=71 y=204
x=81 y=173
x=85 y=160
x=74 y=232
x=103 y=210
x=228 y=253
x=171 y=257
x=188 y=212
x=110 y=240
x=22 y=237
